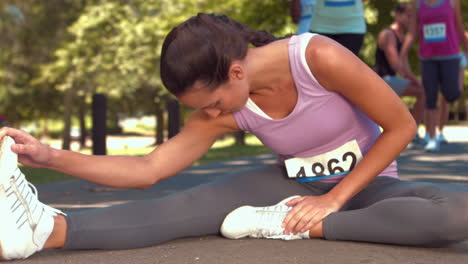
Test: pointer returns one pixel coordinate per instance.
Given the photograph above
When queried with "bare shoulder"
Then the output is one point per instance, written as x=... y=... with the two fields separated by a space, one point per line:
x=386 y=35
x=325 y=57
x=318 y=48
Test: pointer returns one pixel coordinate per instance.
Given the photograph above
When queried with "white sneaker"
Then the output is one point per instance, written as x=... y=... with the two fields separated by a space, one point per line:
x=26 y=223
x=432 y=145
x=259 y=222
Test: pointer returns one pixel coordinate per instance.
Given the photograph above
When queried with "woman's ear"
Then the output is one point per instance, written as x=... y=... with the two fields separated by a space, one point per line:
x=236 y=71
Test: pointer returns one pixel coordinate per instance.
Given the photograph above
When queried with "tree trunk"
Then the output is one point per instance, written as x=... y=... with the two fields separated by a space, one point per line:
x=68 y=101
x=173 y=124
x=82 y=116
x=45 y=129
x=240 y=138
x=159 y=124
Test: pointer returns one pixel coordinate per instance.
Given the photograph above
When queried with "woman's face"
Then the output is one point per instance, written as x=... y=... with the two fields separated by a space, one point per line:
x=228 y=97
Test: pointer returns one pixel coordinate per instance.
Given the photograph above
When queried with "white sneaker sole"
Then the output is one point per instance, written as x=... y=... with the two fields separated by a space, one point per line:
x=3 y=144
x=19 y=242
x=6 y=166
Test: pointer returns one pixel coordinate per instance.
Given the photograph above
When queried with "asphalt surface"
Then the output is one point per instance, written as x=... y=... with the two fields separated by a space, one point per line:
x=448 y=166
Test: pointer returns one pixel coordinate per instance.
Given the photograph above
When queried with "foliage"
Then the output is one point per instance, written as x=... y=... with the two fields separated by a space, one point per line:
x=28 y=36
x=113 y=47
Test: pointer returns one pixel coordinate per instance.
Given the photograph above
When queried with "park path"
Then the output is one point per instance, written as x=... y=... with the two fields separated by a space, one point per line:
x=448 y=166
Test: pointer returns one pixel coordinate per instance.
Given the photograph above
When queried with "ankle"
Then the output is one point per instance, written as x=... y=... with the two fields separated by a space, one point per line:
x=58 y=235
x=317 y=230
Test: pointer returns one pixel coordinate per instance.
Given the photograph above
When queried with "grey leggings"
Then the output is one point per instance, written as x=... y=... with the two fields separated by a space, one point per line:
x=387 y=211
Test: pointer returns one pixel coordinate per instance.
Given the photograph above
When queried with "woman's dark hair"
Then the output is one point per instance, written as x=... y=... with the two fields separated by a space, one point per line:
x=202 y=49
x=401 y=7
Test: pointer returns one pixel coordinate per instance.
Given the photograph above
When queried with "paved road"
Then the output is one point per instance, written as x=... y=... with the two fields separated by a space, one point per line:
x=448 y=166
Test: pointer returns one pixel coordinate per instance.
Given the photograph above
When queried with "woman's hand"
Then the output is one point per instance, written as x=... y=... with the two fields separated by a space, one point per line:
x=30 y=151
x=307 y=212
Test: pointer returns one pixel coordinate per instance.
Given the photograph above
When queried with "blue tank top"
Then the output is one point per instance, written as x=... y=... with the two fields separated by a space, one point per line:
x=338 y=17
x=307 y=11
x=321 y=122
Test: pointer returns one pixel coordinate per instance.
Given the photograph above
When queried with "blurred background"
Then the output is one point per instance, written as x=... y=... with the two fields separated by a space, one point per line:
x=56 y=54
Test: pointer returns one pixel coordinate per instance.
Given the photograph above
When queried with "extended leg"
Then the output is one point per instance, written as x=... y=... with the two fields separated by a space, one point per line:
x=195 y=212
x=403 y=213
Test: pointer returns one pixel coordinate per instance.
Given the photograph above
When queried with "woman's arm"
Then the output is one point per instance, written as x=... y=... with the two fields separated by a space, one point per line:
x=338 y=70
x=173 y=156
x=412 y=33
x=365 y=89
x=410 y=37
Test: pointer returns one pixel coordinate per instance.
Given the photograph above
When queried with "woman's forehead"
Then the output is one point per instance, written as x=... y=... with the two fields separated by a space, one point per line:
x=198 y=86
x=196 y=96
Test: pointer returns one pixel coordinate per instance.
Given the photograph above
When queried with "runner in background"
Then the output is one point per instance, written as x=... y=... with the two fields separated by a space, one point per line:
x=301 y=13
x=438 y=25
x=387 y=61
x=444 y=108
x=342 y=21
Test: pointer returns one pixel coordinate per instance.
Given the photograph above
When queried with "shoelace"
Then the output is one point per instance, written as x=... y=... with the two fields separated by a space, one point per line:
x=47 y=208
x=30 y=190
x=269 y=221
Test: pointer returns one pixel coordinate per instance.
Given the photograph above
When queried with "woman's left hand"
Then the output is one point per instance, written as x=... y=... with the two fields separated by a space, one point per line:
x=307 y=212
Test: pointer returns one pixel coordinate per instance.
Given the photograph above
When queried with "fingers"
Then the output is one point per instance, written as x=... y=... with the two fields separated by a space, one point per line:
x=308 y=221
x=24 y=143
x=24 y=149
x=300 y=218
x=307 y=212
x=295 y=201
x=17 y=135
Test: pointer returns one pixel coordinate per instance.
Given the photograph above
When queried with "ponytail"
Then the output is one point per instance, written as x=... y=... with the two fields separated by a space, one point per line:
x=203 y=48
x=256 y=38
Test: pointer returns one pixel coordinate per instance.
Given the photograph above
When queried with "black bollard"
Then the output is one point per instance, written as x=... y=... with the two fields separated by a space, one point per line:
x=99 y=124
x=173 y=116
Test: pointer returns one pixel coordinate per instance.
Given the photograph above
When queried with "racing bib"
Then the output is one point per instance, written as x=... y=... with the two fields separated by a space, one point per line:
x=339 y=3
x=336 y=162
x=434 y=32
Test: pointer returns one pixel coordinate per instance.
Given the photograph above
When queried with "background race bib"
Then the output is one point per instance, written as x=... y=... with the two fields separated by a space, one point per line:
x=333 y=163
x=434 y=32
x=339 y=3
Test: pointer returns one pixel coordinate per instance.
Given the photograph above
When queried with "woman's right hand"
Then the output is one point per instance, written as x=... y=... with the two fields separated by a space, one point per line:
x=30 y=151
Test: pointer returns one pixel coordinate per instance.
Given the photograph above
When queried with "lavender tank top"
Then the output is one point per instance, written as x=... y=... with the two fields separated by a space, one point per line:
x=437 y=31
x=320 y=122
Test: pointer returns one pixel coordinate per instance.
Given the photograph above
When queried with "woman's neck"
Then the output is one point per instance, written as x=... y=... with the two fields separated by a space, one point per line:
x=267 y=67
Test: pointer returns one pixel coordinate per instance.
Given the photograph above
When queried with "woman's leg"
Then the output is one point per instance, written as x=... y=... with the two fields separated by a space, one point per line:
x=404 y=213
x=195 y=212
x=449 y=70
x=450 y=88
x=443 y=117
x=430 y=78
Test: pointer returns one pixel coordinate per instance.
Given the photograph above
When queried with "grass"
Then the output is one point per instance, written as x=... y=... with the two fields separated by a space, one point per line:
x=221 y=150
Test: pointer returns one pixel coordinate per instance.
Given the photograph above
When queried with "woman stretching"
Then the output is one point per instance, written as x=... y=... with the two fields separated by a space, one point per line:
x=306 y=98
